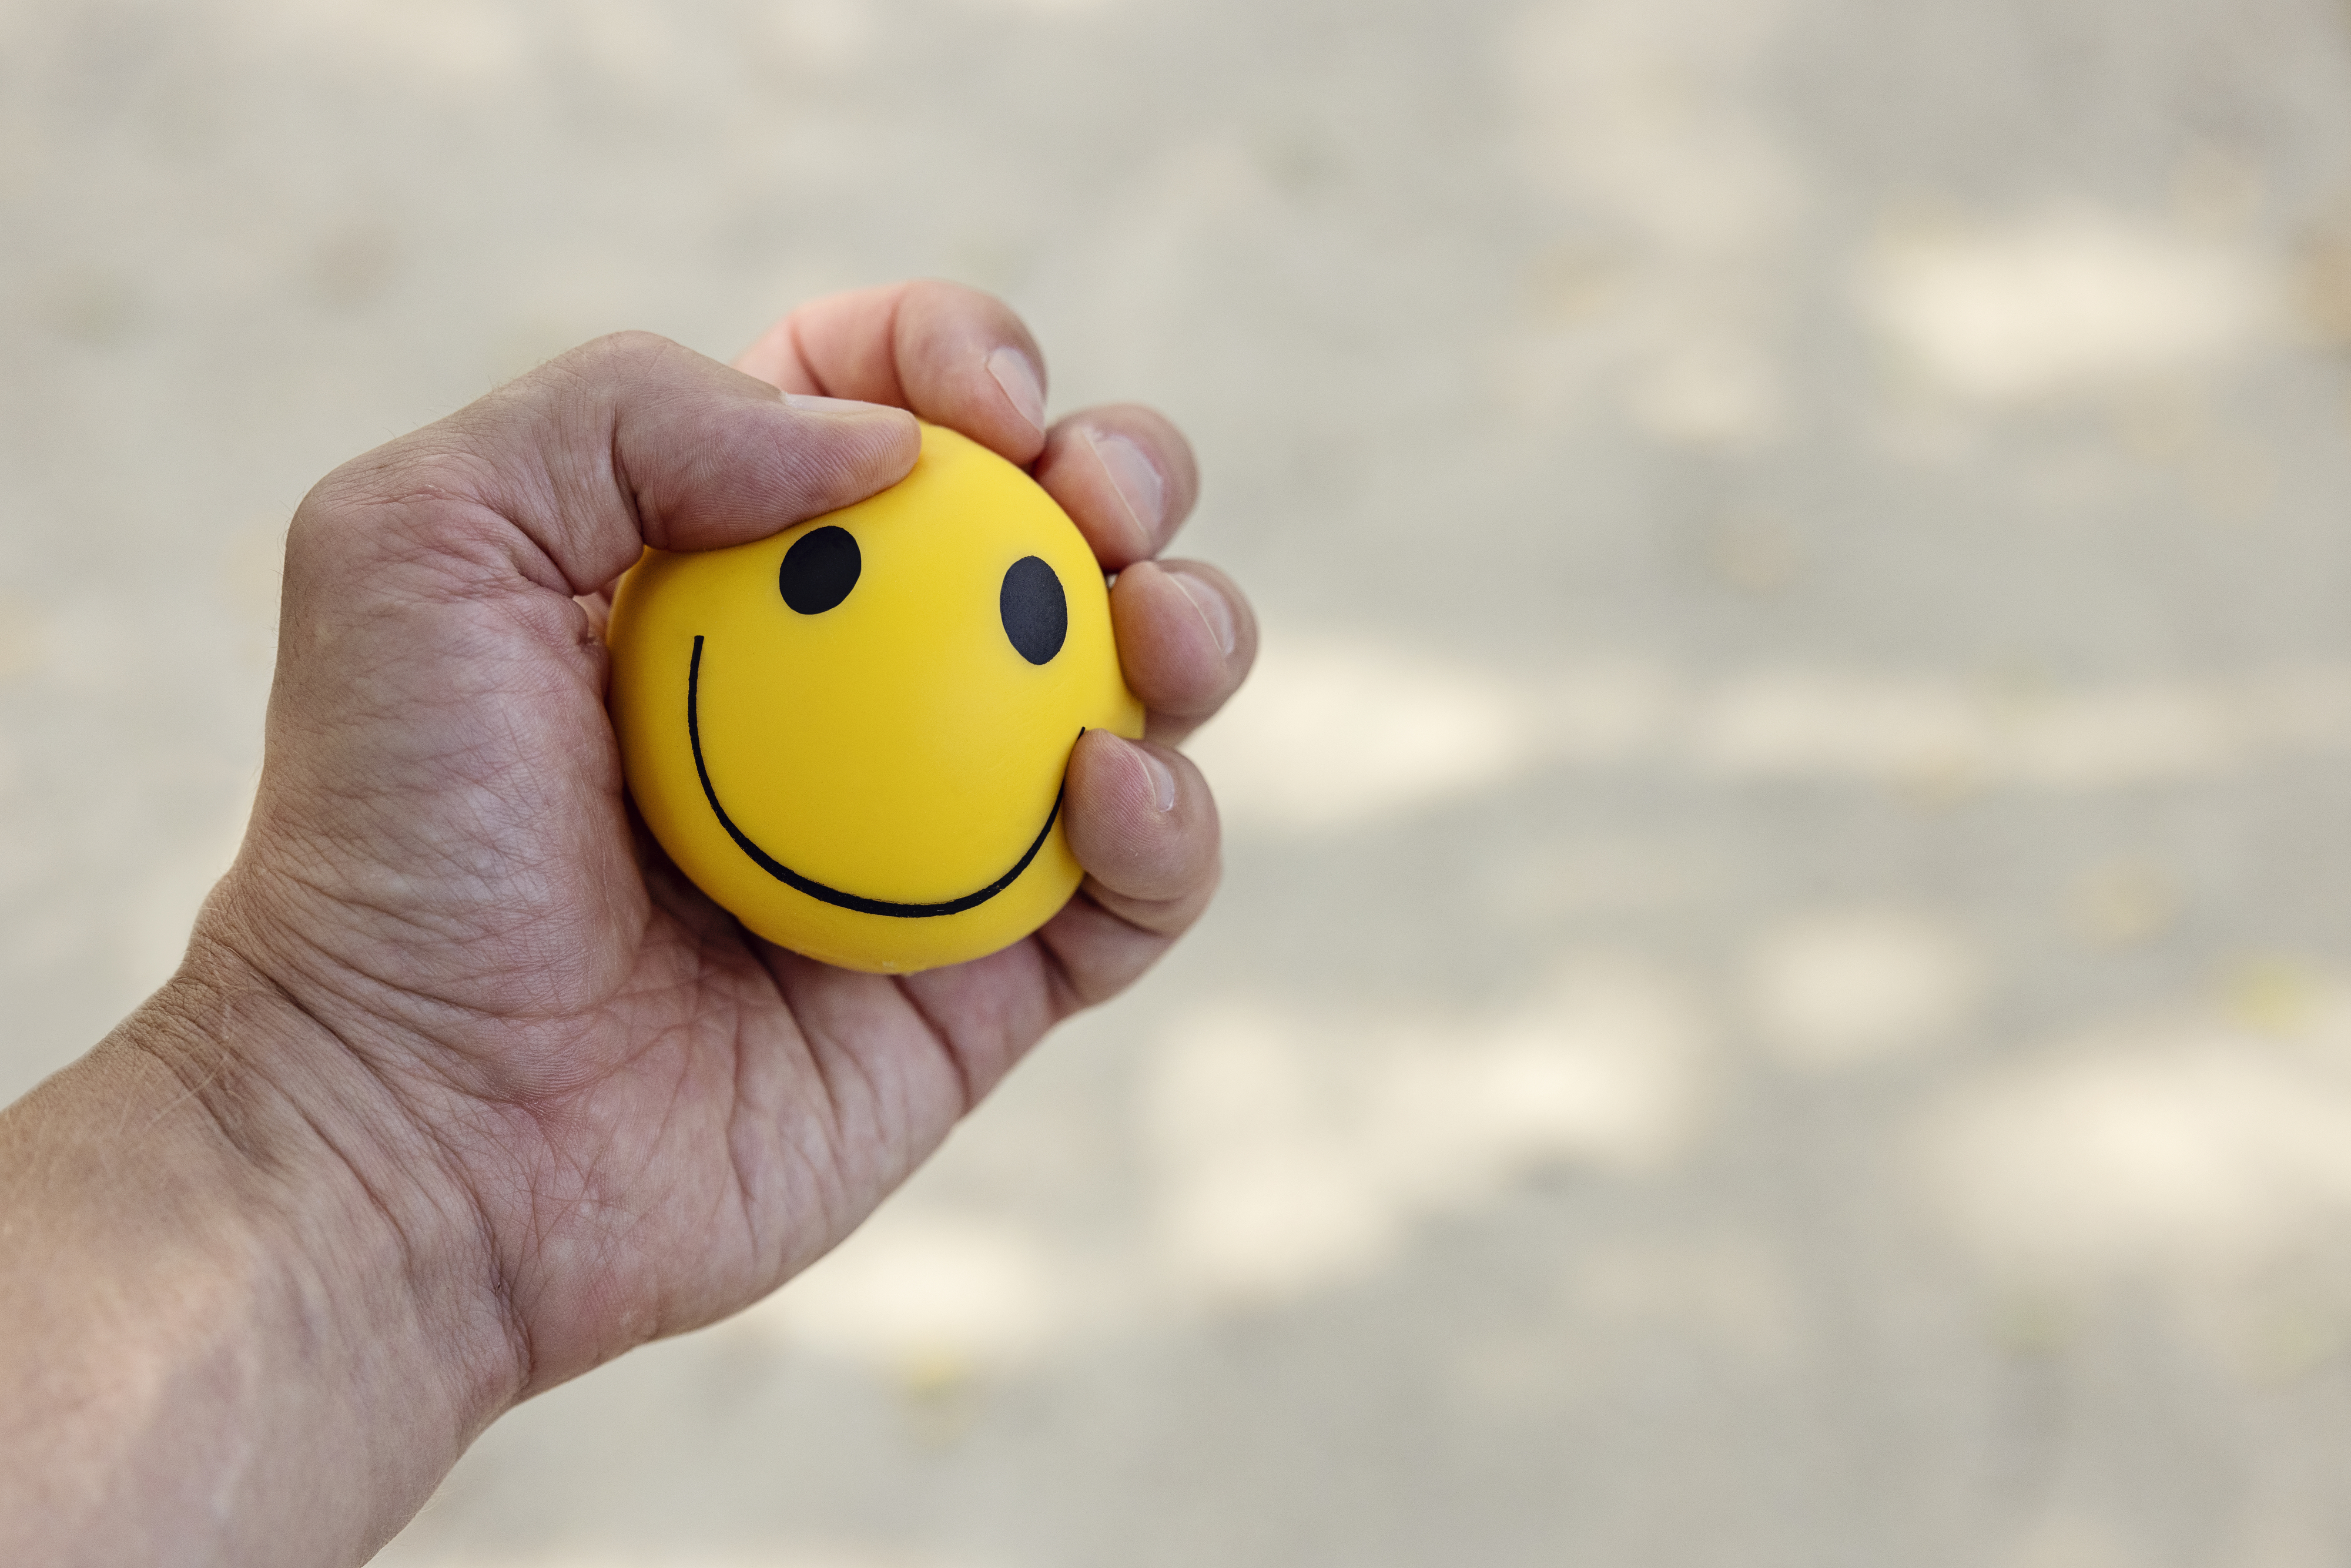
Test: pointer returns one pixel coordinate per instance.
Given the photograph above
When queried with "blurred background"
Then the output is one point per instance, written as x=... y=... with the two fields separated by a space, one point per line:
x=1784 y=994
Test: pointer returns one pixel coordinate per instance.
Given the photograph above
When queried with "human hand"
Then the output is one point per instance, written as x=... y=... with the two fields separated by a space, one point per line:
x=647 y=1117
x=461 y=1088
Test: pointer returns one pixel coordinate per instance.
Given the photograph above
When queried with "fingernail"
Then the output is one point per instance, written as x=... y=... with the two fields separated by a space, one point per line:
x=1140 y=488
x=1211 y=604
x=1157 y=777
x=1019 y=379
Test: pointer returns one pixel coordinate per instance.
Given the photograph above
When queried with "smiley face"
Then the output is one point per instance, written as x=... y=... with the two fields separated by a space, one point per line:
x=852 y=735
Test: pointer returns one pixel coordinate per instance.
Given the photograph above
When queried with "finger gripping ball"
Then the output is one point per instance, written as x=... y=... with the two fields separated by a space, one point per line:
x=852 y=735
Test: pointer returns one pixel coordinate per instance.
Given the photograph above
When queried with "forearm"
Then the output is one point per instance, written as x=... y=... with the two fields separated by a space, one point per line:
x=217 y=1344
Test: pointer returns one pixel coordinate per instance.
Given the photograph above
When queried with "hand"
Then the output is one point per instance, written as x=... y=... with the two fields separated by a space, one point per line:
x=574 y=1104
x=656 y=1118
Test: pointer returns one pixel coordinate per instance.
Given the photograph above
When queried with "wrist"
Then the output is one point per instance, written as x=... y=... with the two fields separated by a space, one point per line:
x=228 y=1264
x=336 y=1176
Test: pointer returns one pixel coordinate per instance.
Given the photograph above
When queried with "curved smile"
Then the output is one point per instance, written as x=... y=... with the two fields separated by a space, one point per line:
x=809 y=885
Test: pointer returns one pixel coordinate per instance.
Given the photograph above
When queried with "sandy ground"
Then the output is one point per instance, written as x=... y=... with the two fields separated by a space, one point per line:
x=1783 y=995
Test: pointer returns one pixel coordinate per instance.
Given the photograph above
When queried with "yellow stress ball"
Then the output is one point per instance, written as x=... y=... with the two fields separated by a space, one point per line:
x=852 y=735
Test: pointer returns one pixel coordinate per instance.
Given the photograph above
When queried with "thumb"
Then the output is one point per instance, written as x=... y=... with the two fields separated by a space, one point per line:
x=567 y=473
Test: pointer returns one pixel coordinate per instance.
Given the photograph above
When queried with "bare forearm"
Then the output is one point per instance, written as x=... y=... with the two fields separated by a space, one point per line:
x=216 y=1344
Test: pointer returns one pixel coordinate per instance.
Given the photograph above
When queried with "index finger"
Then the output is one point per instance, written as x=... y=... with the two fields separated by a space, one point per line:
x=953 y=355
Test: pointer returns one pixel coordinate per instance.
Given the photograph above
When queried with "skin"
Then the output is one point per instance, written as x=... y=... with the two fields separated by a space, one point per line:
x=462 y=1090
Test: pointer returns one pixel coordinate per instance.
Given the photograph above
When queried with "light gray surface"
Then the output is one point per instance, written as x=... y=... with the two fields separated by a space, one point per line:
x=1784 y=994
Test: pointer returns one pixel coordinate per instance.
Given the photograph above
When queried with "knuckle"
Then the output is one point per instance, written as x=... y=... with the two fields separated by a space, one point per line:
x=616 y=357
x=952 y=310
x=944 y=291
x=639 y=338
x=632 y=345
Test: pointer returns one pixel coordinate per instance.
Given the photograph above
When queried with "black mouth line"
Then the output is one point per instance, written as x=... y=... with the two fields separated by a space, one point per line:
x=809 y=885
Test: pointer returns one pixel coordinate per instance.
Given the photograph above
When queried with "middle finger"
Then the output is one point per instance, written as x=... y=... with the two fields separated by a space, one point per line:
x=1124 y=475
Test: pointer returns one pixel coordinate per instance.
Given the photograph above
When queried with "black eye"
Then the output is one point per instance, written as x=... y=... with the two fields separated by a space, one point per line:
x=820 y=570
x=1036 y=615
